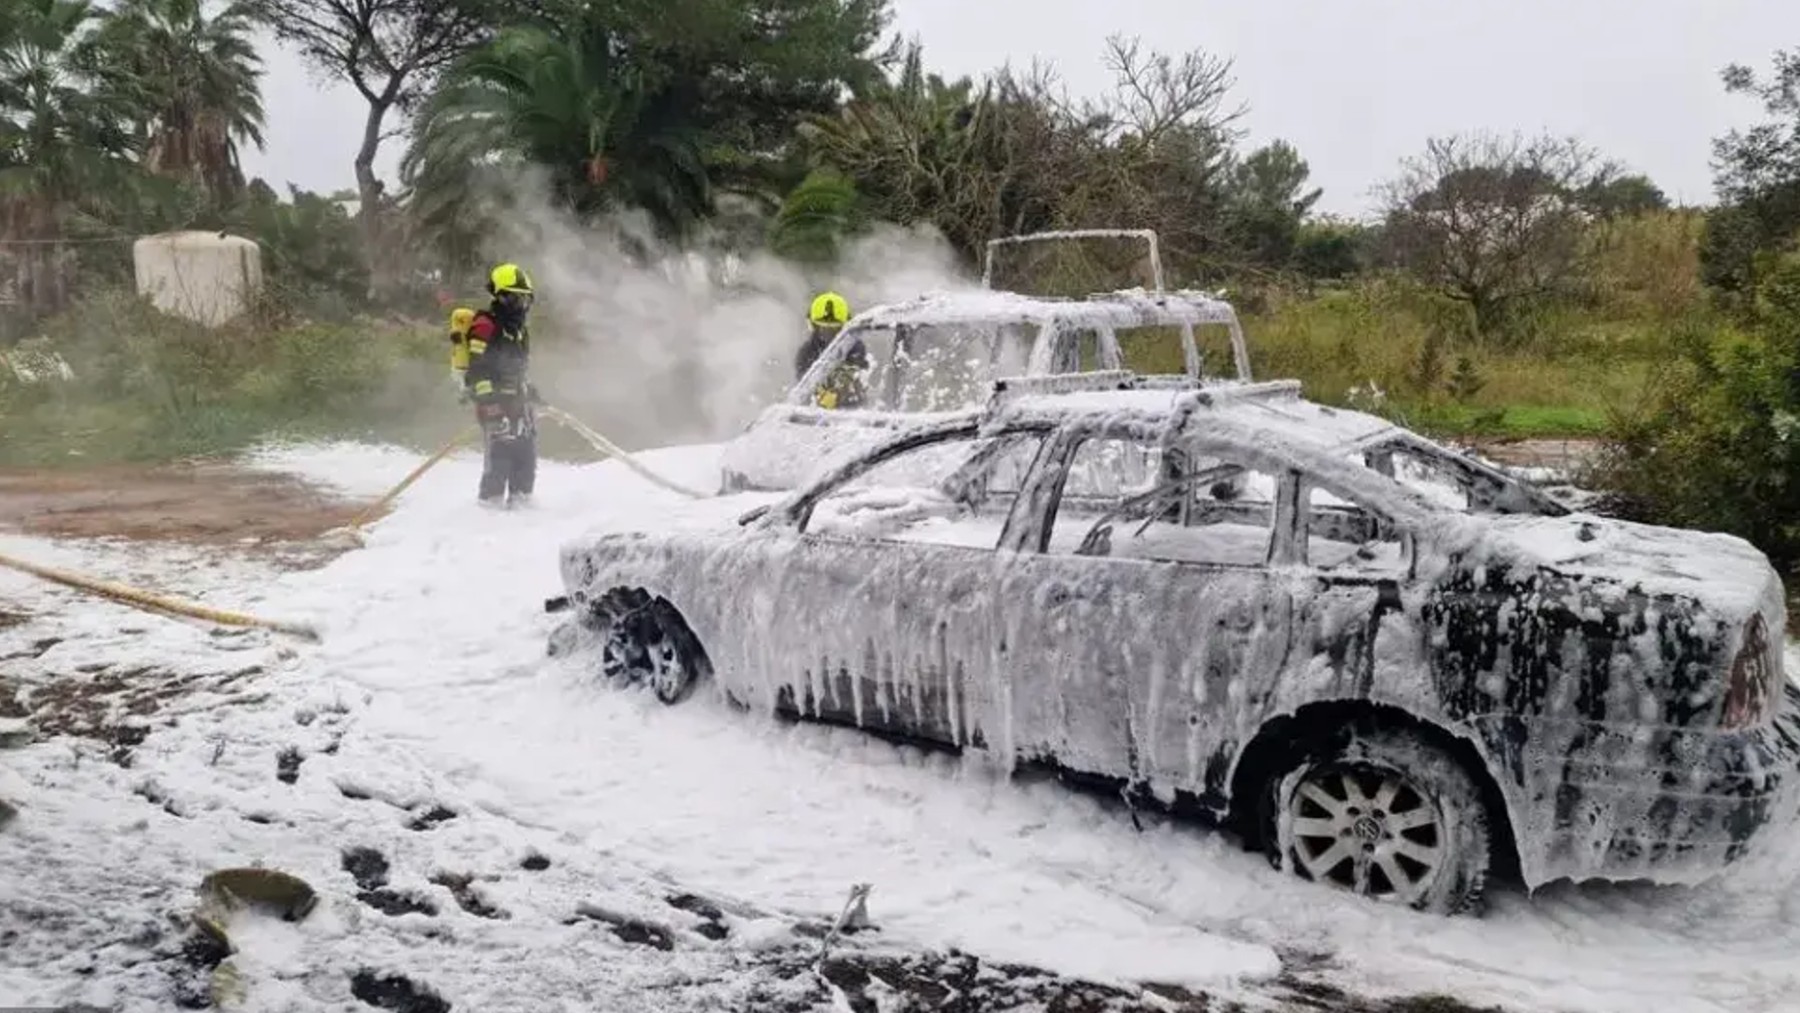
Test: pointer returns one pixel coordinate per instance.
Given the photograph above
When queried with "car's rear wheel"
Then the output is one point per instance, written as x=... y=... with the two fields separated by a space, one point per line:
x=646 y=640
x=1387 y=816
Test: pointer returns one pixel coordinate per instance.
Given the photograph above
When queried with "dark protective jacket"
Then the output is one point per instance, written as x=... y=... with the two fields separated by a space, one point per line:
x=817 y=340
x=843 y=386
x=499 y=356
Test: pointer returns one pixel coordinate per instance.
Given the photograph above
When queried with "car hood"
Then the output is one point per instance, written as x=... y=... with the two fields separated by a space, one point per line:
x=1724 y=572
x=714 y=513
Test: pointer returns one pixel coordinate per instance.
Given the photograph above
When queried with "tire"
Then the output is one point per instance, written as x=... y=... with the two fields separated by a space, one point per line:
x=1385 y=815
x=645 y=640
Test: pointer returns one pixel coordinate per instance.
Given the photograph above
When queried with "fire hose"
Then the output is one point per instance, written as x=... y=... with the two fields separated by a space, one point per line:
x=376 y=507
x=611 y=449
x=151 y=602
x=593 y=437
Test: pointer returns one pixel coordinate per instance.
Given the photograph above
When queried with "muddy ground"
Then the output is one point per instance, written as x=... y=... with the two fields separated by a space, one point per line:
x=200 y=503
x=1571 y=457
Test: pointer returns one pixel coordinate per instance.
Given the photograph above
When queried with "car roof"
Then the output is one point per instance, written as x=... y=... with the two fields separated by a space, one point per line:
x=1125 y=308
x=1265 y=410
x=1268 y=421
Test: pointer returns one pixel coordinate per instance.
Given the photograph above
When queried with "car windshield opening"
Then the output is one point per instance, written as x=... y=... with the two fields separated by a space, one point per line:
x=1452 y=481
x=924 y=367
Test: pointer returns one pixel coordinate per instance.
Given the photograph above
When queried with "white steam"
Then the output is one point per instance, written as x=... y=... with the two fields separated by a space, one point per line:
x=687 y=346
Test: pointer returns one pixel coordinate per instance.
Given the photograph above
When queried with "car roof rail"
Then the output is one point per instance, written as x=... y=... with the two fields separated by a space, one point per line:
x=1007 y=388
x=1063 y=383
x=1222 y=392
x=1011 y=388
x=1169 y=381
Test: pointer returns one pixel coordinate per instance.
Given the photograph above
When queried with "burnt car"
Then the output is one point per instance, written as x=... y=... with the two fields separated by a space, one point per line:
x=913 y=361
x=1393 y=668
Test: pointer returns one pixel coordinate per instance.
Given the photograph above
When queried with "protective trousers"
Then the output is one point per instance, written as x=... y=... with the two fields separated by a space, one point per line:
x=509 y=441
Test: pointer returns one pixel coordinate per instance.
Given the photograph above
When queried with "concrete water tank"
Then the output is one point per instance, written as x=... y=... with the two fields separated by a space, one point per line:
x=209 y=277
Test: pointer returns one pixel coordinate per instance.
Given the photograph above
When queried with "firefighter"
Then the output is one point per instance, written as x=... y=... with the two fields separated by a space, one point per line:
x=843 y=387
x=497 y=351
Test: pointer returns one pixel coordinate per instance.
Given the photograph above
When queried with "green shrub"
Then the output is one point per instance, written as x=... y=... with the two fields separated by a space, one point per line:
x=1717 y=446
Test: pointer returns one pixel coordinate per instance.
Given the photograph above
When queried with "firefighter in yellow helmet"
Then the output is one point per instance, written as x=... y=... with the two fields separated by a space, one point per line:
x=493 y=354
x=843 y=386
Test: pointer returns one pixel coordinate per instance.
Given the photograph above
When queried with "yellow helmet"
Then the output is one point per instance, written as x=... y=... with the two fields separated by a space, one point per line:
x=830 y=310
x=509 y=278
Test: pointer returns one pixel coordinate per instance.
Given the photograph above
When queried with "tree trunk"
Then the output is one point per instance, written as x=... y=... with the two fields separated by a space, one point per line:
x=368 y=188
x=1485 y=309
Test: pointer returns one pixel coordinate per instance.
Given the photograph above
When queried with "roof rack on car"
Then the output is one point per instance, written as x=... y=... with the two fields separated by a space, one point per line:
x=1141 y=295
x=1265 y=390
x=1010 y=387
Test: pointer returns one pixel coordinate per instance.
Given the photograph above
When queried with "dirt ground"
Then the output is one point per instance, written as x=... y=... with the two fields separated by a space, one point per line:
x=203 y=503
x=1563 y=455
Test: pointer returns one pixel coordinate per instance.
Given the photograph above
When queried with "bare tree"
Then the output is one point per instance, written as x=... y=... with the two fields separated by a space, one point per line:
x=1015 y=154
x=1157 y=153
x=1494 y=220
x=390 y=51
x=1157 y=93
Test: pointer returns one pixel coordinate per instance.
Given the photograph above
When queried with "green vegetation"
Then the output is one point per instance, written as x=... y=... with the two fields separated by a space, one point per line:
x=1506 y=286
x=149 y=386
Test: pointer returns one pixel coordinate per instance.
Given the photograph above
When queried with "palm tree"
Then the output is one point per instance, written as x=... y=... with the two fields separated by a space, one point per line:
x=605 y=132
x=919 y=148
x=193 y=82
x=63 y=144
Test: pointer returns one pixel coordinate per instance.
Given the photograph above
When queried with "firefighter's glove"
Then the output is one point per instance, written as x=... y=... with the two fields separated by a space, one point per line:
x=534 y=395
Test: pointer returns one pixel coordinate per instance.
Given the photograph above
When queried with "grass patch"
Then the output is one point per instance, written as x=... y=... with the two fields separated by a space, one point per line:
x=1389 y=346
x=1514 y=422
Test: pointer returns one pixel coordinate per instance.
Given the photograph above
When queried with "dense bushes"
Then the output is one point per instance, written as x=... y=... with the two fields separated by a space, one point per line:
x=1718 y=444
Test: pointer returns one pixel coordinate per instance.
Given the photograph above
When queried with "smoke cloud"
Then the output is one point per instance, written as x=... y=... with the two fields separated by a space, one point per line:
x=683 y=346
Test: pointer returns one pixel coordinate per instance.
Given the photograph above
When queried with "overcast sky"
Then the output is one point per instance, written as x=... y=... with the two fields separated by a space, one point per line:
x=1356 y=85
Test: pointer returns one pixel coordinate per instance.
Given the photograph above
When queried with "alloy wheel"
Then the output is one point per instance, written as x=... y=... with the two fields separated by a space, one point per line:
x=1367 y=831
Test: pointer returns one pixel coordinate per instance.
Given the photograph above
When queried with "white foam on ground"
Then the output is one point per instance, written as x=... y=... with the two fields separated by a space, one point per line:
x=434 y=652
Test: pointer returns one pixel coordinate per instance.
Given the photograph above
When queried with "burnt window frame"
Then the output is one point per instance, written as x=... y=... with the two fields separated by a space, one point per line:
x=1058 y=454
x=1305 y=483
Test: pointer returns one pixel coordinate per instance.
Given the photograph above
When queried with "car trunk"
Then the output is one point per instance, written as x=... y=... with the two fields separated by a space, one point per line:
x=1724 y=575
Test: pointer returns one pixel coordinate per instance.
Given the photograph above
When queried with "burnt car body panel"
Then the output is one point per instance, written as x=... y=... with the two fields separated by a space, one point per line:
x=1589 y=664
